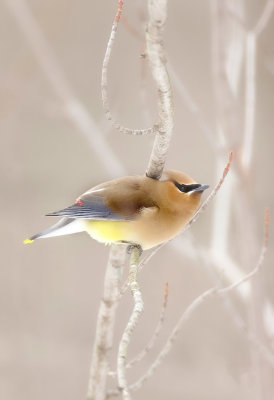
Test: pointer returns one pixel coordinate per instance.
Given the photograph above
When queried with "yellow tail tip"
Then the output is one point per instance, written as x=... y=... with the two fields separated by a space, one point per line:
x=26 y=241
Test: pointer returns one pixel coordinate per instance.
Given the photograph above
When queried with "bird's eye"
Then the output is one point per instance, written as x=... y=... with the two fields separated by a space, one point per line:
x=186 y=188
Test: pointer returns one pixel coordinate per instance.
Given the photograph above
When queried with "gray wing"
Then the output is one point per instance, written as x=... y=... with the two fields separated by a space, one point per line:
x=91 y=208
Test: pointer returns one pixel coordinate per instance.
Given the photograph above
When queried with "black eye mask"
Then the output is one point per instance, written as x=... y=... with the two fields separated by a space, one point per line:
x=187 y=188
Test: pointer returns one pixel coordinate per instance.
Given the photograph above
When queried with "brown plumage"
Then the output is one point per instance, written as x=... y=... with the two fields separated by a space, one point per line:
x=134 y=209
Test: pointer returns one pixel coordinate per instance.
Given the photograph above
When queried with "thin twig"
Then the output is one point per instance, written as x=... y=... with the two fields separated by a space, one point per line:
x=154 y=337
x=135 y=315
x=104 y=82
x=212 y=194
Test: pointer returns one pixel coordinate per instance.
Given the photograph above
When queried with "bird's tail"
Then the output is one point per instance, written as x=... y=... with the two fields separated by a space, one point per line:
x=65 y=226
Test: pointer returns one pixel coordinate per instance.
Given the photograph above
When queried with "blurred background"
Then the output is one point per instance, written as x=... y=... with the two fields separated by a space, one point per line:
x=56 y=143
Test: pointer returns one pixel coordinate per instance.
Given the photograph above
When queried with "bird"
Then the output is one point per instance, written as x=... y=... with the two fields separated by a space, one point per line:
x=137 y=210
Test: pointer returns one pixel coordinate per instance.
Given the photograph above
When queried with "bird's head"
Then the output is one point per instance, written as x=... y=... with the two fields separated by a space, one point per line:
x=181 y=191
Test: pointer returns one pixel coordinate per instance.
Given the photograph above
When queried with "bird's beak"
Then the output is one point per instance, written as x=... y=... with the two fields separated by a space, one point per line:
x=200 y=188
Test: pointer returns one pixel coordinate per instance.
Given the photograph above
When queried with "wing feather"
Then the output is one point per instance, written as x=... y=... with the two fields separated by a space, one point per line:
x=88 y=209
x=121 y=199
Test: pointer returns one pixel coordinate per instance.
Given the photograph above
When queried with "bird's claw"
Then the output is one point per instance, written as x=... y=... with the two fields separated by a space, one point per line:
x=132 y=246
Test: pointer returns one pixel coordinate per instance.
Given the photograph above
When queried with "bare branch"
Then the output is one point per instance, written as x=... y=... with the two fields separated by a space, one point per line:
x=104 y=82
x=212 y=194
x=105 y=323
x=155 y=51
x=135 y=315
x=155 y=335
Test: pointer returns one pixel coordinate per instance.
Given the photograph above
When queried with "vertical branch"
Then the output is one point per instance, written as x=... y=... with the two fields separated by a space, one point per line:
x=155 y=51
x=135 y=315
x=105 y=324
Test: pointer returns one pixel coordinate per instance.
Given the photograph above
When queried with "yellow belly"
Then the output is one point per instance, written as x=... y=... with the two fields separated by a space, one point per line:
x=147 y=233
x=107 y=231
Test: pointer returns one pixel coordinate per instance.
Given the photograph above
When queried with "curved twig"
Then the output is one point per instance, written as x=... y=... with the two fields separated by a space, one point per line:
x=104 y=82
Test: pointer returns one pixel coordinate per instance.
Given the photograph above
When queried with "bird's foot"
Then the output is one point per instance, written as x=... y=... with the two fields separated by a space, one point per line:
x=132 y=246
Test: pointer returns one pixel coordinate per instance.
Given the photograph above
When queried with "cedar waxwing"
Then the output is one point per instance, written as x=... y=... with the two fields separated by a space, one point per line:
x=133 y=209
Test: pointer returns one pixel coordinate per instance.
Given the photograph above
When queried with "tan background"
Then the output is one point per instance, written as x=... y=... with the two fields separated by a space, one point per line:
x=50 y=291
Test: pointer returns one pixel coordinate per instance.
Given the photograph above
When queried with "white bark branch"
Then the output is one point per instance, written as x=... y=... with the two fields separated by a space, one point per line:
x=105 y=324
x=135 y=315
x=155 y=51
